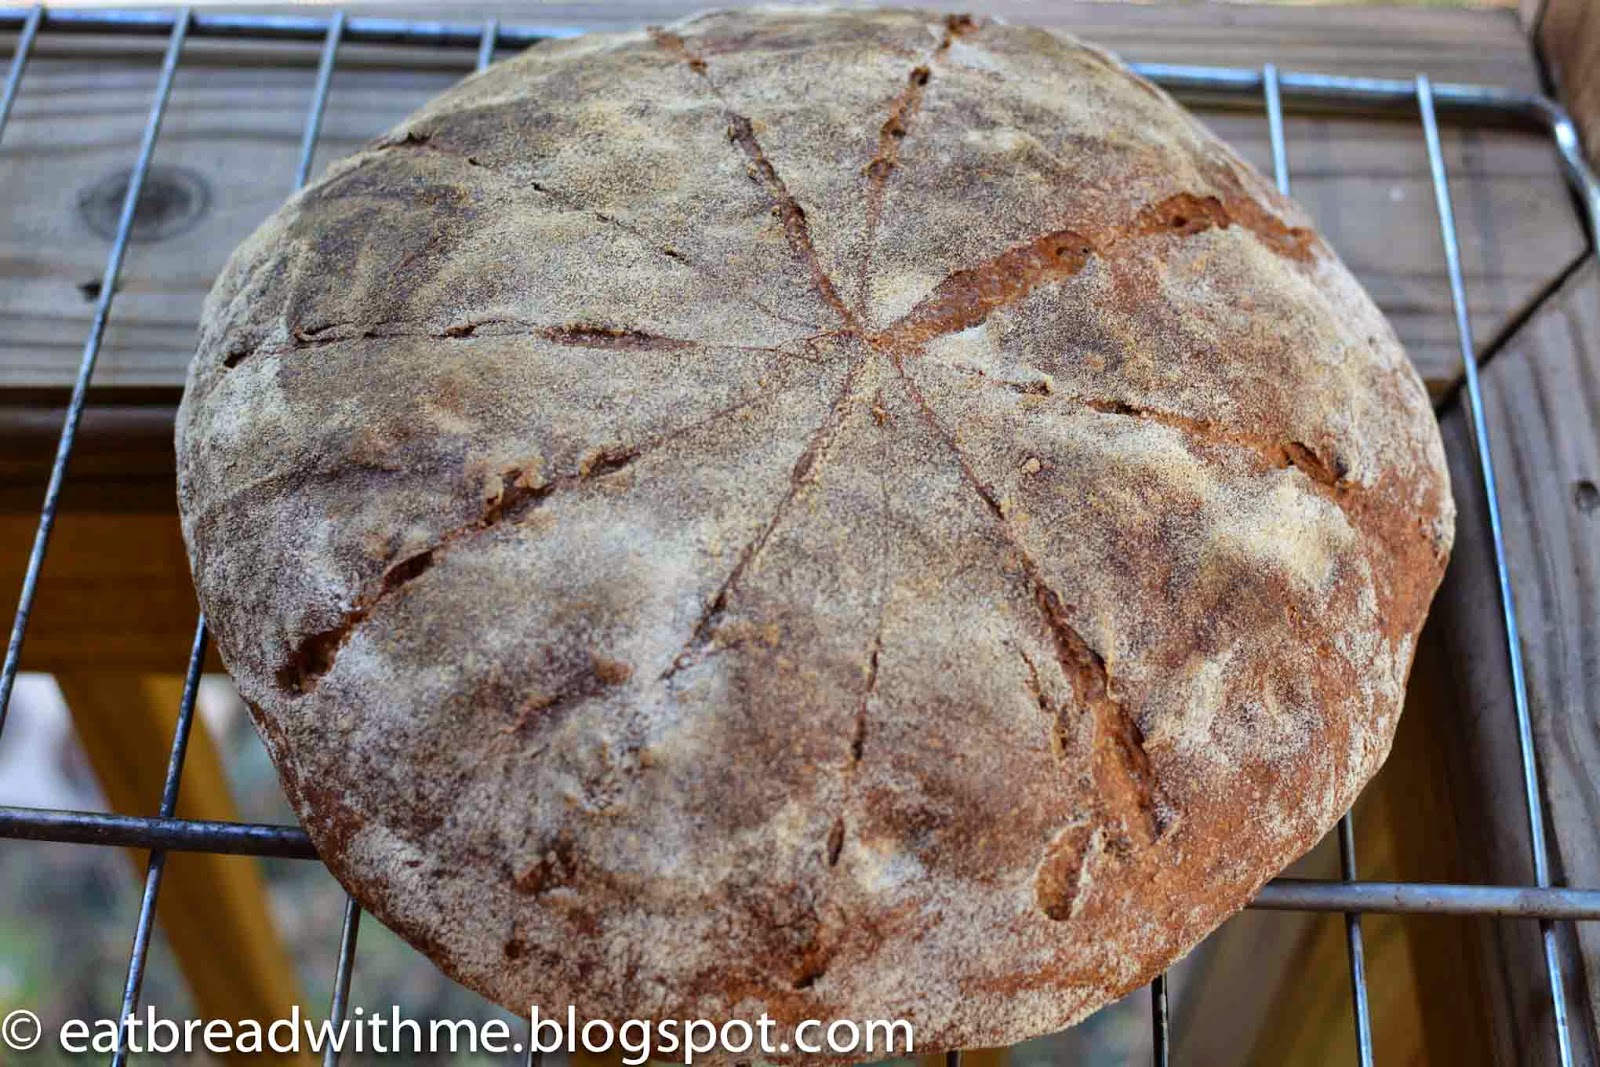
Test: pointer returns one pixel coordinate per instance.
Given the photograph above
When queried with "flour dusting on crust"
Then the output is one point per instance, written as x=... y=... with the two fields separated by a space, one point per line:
x=846 y=514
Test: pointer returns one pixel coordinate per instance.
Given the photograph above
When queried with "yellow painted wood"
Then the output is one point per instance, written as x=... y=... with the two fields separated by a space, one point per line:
x=115 y=593
x=214 y=910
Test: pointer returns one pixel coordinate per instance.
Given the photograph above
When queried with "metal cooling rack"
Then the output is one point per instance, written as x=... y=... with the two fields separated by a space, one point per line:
x=163 y=833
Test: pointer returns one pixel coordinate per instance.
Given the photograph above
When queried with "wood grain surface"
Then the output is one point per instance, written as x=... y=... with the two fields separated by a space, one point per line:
x=1567 y=33
x=1541 y=397
x=228 y=148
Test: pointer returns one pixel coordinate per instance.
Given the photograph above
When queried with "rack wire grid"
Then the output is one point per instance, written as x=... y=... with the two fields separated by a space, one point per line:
x=162 y=833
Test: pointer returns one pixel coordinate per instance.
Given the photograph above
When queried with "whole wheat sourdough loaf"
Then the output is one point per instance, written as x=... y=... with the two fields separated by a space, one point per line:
x=845 y=514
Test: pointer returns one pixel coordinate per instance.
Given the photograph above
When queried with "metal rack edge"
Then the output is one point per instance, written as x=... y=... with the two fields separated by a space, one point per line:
x=1281 y=894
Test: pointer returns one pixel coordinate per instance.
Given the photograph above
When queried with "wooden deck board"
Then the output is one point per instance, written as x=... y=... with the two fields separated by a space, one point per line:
x=232 y=134
x=1541 y=394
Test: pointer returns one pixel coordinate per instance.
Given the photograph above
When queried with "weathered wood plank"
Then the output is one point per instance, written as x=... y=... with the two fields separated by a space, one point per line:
x=1451 y=45
x=230 y=141
x=123 y=460
x=1569 y=40
x=1541 y=395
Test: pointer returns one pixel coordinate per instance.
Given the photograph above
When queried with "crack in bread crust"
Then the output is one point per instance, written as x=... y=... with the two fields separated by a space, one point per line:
x=413 y=141
x=1128 y=790
x=521 y=491
x=694 y=263
x=895 y=129
x=1281 y=454
x=859 y=725
x=741 y=131
x=573 y=334
x=805 y=471
x=1328 y=477
x=969 y=296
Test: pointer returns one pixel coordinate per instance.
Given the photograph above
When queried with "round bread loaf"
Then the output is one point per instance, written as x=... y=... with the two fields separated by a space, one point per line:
x=841 y=514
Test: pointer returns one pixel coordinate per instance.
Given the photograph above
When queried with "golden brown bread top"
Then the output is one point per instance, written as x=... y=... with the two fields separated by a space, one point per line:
x=848 y=514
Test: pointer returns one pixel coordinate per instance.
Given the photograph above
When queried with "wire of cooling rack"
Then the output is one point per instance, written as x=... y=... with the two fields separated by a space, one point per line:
x=164 y=832
x=1480 y=437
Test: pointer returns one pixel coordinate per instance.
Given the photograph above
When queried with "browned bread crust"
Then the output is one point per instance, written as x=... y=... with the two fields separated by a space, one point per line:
x=846 y=514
